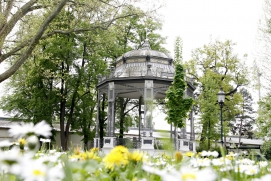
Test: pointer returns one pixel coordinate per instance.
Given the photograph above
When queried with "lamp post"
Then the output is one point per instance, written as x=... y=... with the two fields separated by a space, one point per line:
x=221 y=98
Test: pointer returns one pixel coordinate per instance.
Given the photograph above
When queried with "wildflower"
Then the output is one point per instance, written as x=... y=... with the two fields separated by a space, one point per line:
x=88 y=156
x=115 y=159
x=10 y=157
x=231 y=155
x=94 y=150
x=263 y=164
x=189 y=154
x=26 y=129
x=77 y=151
x=136 y=156
x=252 y=170
x=200 y=162
x=22 y=142
x=263 y=178
x=5 y=143
x=221 y=161
x=178 y=156
x=184 y=174
x=118 y=156
x=214 y=154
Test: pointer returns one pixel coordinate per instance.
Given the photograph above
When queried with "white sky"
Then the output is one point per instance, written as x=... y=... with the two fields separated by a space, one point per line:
x=199 y=21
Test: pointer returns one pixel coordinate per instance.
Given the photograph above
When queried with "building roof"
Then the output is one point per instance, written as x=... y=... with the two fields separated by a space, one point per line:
x=137 y=63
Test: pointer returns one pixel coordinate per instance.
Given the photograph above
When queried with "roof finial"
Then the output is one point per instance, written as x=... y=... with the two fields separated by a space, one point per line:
x=146 y=44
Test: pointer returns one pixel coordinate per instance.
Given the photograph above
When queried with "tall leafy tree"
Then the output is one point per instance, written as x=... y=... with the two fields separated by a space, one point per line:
x=67 y=66
x=263 y=121
x=213 y=66
x=243 y=123
x=178 y=50
x=263 y=69
x=177 y=104
x=18 y=16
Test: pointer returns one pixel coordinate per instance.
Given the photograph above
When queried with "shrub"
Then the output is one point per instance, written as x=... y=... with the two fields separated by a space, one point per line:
x=266 y=149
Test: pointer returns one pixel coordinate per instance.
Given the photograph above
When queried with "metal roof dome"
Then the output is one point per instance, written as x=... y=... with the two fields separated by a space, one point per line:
x=139 y=62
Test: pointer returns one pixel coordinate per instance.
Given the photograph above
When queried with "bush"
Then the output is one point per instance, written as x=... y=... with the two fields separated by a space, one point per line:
x=266 y=149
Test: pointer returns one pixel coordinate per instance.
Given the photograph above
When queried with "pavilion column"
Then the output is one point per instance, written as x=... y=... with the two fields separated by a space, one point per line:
x=192 y=143
x=109 y=140
x=97 y=139
x=139 y=117
x=148 y=101
x=111 y=109
x=147 y=141
x=192 y=134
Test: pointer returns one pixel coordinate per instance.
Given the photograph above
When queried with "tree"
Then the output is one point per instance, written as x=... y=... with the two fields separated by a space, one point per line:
x=263 y=72
x=65 y=66
x=177 y=105
x=17 y=17
x=262 y=63
x=243 y=123
x=266 y=149
x=214 y=66
x=9 y=19
x=263 y=121
x=178 y=50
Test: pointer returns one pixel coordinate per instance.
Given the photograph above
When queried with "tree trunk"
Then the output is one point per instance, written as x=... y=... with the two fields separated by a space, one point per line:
x=62 y=112
x=102 y=120
x=121 y=104
x=203 y=133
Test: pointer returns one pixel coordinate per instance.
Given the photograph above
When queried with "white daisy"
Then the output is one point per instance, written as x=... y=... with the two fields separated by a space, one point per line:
x=40 y=129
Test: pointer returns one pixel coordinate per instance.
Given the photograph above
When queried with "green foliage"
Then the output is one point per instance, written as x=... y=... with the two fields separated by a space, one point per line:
x=213 y=66
x=266 y=149
x=263 y=121
x=177 y=105
x=243 y=122
x=178 y=51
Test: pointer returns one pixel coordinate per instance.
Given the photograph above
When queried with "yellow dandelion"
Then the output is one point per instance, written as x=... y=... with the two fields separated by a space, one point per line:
x=178 y=156
x=82 y=156
x=22 y=142
x=136 y=156
x=166 y=156
x=121 y=149
x=189 y=154
x=115 y=159
x=87 y=156
x=77 y=151
x=75 y=157
x=95 y=150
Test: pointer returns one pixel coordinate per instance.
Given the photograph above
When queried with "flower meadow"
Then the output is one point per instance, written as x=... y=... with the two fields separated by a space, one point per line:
x=26 y=160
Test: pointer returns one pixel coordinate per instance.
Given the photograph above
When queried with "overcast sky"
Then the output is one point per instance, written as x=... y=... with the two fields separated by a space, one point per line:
x=199 y=21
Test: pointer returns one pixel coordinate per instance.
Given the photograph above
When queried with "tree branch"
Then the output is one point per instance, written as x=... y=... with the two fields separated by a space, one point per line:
x=33 y=43
x=130 y=110
x=7 y=27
